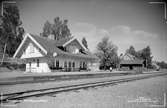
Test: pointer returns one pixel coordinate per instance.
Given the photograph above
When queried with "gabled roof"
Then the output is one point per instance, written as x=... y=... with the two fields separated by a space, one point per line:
x=48 y=44
x=129 y=56
x=61 y=42
x=132 y=59
x=51 y=47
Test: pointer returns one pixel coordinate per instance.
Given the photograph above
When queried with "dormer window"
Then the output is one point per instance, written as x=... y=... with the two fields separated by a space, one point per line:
x=73 y=49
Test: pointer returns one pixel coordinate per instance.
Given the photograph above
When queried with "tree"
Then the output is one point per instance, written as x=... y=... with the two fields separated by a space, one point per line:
x=65 y=30
x=47 y=29
x=11 y=31
x=107 y=53
x=146 y=56
x=162 y=64
x=131 y=51
x=84 y=42
x=59 y=29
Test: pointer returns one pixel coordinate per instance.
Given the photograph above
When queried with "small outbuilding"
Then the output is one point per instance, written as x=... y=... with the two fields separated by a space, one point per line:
x=130 y=62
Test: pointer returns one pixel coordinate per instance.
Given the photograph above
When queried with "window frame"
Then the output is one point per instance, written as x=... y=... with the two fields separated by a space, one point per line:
x=31 y=48
x=73 y=64
x=57 y=63
x=65 y=64
x=37 y=62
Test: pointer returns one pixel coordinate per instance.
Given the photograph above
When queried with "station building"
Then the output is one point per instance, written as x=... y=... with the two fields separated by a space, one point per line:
x=130 y=62
x=47 y=55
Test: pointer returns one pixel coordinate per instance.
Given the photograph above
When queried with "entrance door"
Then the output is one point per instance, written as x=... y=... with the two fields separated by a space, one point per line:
x=29 y=66
x=84 y=65
x=131 y=67
x=69 y=66
x=65 y=66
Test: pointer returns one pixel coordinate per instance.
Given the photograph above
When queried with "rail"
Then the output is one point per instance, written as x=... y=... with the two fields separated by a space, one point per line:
x=42 y=92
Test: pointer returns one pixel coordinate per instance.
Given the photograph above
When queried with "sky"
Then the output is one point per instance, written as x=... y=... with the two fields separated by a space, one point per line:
x=125 y=22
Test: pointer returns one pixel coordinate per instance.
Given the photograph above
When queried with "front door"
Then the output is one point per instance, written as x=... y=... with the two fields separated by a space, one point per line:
x=84 y=65
x=30 y=67
x=69 y=66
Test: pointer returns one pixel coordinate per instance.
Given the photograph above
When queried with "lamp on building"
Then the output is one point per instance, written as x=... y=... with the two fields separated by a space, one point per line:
x=54 y=54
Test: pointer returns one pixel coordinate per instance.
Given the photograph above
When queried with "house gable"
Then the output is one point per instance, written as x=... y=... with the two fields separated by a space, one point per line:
x=74 y=46
x=128 y=57
x=74 y=42
x=26 y=44
x=31 y=51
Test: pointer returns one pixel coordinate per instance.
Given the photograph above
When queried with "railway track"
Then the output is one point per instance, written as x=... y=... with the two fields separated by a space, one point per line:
x=41 y=92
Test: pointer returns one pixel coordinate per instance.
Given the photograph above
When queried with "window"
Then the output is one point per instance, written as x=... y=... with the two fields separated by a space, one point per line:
x=73 y=49
x=57 y=63
x=24 y=51
x=69 y=64
x=65 y=64
x=84 y=65
x=39 y=50
x=32 y=50
x=73 y=64
x=30 y=64
x=37 y=62
x=80 y=64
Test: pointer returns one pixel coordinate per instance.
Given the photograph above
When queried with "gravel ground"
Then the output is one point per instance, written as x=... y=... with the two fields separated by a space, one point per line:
x=137 y=94
x=36 y=86
x=4 y=75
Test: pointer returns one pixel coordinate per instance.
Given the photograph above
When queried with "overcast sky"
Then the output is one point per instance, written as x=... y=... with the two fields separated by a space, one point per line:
x=126 y=22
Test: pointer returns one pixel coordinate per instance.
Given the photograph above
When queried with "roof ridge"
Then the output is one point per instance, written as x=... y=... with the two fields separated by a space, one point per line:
x=51 y=40
x=46 y=38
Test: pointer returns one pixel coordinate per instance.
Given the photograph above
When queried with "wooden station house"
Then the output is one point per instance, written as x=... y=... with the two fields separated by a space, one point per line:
x=46 y=55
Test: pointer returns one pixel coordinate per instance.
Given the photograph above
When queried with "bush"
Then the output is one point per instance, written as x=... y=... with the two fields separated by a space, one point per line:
x=14 y=66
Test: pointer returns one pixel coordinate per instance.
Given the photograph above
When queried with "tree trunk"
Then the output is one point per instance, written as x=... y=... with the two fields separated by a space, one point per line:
x=4 y=51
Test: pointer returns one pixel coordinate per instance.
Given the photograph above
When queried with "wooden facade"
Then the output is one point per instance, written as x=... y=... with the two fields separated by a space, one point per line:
x=129 y=62
x=46 y=55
